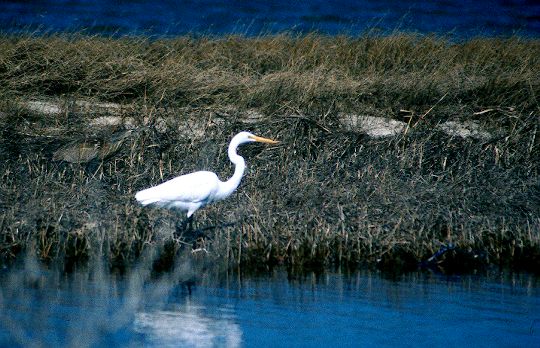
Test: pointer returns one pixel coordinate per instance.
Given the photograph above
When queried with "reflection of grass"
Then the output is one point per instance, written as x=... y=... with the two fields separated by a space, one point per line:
x=328 y=195
x=43 y=307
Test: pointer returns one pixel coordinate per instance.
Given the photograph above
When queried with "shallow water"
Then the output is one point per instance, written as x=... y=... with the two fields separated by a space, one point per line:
x=458 y=18
x=361 y=309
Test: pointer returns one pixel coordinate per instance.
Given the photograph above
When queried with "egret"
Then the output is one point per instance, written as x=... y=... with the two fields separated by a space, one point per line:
x=193 y=191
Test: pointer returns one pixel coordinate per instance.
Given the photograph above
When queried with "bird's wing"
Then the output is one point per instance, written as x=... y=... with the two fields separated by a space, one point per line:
x=189 y=188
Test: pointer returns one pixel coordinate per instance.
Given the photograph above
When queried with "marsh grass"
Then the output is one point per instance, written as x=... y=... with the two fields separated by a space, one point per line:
x=326 y=196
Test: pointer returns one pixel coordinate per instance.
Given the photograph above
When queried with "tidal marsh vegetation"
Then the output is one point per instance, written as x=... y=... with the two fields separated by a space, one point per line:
x=329 y=195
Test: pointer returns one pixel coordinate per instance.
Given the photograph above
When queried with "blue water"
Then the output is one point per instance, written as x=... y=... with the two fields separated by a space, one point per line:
x=459 y=19
x=362 y=309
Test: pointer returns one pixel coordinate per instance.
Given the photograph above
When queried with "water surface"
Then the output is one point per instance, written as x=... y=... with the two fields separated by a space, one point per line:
x=361 y=309
x=461 y=19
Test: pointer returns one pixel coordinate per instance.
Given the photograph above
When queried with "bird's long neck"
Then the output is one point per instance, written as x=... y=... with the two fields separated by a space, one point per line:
x=228 y=187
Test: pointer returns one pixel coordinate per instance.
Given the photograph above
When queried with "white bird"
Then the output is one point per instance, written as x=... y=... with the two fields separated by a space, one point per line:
x=193 y=191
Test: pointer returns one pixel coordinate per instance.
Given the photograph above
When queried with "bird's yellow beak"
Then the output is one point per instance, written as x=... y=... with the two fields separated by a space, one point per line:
x=263 y=140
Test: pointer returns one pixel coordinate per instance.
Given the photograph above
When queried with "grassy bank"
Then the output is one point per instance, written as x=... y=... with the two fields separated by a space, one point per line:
x=330 y=194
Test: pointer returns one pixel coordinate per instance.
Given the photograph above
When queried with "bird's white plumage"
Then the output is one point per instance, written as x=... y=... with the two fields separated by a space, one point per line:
x=187 y=192
x=195 y=190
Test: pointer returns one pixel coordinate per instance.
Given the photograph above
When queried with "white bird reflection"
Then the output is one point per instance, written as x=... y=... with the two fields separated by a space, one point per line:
x=187 y=327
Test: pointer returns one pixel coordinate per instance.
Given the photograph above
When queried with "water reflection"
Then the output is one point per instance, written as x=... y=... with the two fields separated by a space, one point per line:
x=44 y=308
x=187 y=326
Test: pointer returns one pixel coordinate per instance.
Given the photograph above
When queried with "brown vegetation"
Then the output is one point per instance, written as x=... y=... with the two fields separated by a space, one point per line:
x=328 y=195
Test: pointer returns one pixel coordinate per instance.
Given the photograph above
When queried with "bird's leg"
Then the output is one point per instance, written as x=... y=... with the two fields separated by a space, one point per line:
x=200 y=233
x=195 y=237
x=198 y=236
x=185 y=227
x=190 y=224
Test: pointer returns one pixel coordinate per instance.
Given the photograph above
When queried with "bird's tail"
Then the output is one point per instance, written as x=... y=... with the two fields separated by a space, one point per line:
x=145 y=197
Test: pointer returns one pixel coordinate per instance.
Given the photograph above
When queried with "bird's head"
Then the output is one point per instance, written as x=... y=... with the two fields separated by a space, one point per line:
x=247 y=137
